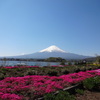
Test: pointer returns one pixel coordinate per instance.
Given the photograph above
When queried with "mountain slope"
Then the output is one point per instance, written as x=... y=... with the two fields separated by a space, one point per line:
x=44 y=55
x=52 y=51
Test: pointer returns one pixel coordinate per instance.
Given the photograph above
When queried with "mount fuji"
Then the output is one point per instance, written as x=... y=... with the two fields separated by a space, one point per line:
x=52 y=51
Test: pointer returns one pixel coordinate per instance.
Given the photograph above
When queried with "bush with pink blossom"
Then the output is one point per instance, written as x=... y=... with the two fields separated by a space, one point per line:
x=33 y=86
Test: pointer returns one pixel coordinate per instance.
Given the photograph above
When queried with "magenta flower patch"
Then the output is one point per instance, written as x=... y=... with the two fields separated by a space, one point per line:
x=13 y=88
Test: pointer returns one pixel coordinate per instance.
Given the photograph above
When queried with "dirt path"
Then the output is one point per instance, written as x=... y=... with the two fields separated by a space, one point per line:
x=88 y=96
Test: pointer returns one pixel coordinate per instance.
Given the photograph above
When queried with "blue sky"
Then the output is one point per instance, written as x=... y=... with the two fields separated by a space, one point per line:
x=28 y=26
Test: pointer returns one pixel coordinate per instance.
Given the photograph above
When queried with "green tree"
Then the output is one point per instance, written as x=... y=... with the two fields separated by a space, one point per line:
x=98 y=59
x=55 y=59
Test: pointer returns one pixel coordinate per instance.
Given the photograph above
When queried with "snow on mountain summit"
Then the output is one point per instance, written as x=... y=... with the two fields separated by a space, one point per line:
x=53 y=48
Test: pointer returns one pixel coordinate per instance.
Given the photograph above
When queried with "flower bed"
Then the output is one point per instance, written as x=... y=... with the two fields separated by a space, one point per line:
x=10 y=67
x=31 y=87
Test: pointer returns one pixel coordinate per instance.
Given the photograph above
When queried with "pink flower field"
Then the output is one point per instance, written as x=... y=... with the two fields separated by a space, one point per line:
x=21 y=88
x=10 y=67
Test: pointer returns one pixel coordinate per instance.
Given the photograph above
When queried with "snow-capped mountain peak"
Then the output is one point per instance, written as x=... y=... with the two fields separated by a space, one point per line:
x=52 y=48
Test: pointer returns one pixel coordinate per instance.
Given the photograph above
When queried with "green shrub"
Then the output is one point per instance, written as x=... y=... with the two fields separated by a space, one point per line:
x=52 y=73
x=18 y=69
x=49 y=96
x=62 y=95
x=89 y=68
x=1 y=76
x=79 y=91
x=83 y=69
x=97 y=83
x=77 y=70
x=4 y=70
x=69 y=63
x=30 y=72
x=65 y=72
x=89 y=83
x=92 y=83
x=62 y=63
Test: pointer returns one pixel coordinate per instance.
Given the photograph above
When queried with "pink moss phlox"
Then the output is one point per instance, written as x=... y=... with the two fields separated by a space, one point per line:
x=8 y=96
x=10 y=67
x=11 y=87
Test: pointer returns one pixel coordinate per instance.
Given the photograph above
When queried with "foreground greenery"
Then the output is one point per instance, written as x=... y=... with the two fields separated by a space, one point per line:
x=90 y=84
x=14 y=74
x=51 y=71
x=61 y=95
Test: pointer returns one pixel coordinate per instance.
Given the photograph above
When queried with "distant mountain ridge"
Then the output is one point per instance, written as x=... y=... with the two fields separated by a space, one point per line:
x=52 y=51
